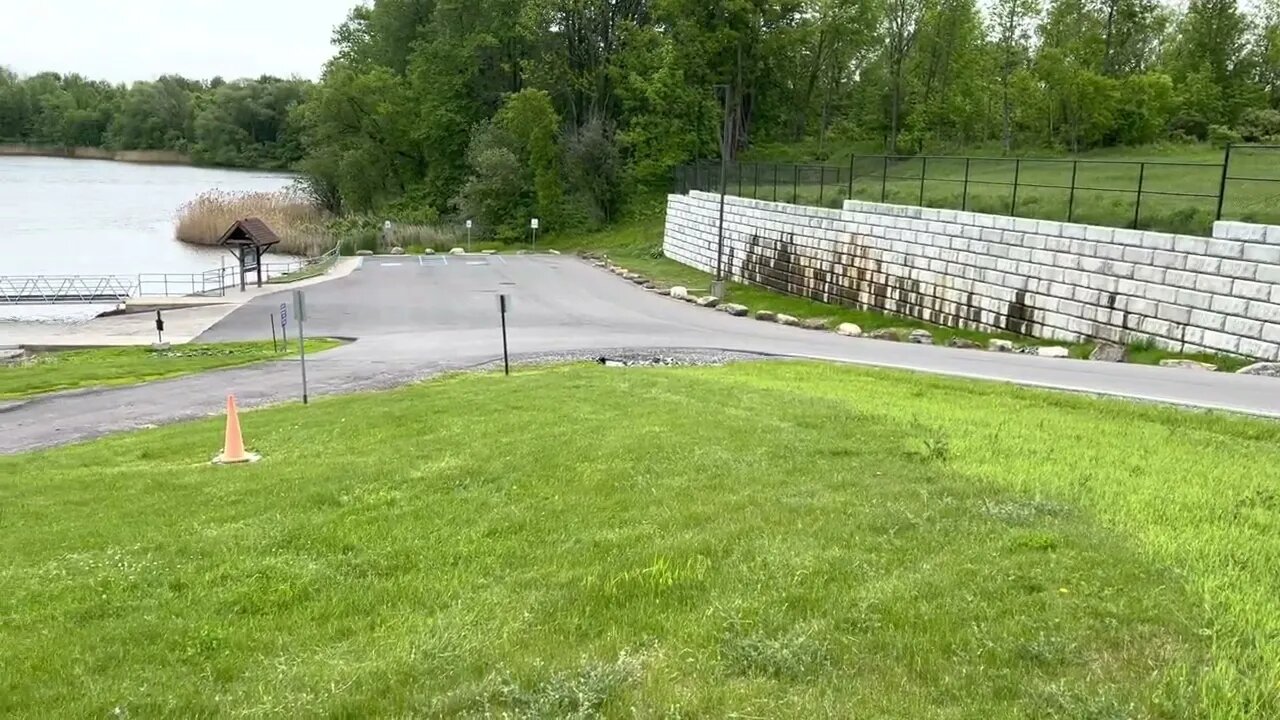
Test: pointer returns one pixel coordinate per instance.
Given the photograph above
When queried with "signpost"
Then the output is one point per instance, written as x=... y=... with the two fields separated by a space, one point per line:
x=300 y=307
x=534 y=225
x=504 y=304
x=284 y=323
x=159 y=328
x=468 y=236
x=386 y=235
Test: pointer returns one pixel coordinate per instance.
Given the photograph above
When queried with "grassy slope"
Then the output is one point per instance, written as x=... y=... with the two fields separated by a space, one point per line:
x=638 y=247
x=74 y=369
x=1109 y=201
x=834 y=542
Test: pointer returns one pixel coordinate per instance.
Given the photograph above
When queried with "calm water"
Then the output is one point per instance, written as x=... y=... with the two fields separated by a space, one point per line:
x=92 y=217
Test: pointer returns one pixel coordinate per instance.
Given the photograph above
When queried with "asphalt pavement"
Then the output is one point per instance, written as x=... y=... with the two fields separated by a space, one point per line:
x=412 y=318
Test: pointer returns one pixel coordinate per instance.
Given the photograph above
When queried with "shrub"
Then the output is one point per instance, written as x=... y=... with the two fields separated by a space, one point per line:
x=1221 y=136
x=298 y=222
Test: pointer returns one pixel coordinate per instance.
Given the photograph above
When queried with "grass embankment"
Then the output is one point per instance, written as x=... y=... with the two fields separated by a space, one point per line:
x=75 y=369
x=146 y=157
x=1106 y=182
x=300 y=225
x=638 y=247
x=832 y=542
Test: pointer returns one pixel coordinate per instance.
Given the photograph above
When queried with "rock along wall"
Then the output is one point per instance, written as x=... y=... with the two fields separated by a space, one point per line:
x=1040 y=278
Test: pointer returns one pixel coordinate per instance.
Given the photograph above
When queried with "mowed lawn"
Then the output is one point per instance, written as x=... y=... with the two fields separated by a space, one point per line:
x=98 y=367
x=761 y=540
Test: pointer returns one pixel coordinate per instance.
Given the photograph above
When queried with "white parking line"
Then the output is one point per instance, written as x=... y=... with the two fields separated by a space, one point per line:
x=387 y=264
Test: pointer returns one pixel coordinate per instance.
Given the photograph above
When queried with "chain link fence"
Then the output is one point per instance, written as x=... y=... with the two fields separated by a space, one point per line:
x=1171 y=196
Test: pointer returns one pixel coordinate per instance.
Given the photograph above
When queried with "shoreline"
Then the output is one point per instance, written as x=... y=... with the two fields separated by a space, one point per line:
x=137 y=157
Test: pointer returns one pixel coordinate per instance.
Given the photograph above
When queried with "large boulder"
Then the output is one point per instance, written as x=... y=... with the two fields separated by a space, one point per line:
x=818 y=324
x=397 y=250
x=1110 y=352
x=429 y=251
x=458 y=251
x=891 y=334
x=708 y=301
x=963 y=343
x=679 y=293
x=788 y=320
x=1003 y=346
x=1188 y=365
x=920 y=337
x=734 y=309
x=766 y=315
x=849 y=330
x=364 y=253
x=1053 y=352
x=1265 y=369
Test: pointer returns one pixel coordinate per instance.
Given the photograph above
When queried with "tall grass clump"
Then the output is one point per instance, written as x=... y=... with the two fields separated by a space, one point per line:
x=300 y=224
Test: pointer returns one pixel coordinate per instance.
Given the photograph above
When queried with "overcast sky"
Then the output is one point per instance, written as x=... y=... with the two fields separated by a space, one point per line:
x=126 y=40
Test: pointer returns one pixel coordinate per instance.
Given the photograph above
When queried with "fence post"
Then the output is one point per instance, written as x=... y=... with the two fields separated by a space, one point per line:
x=924 y=170
x=1222 y=186
x=1017 y=174
x=1137 y=205
x=739 y=179
x=964 y=204
x=822 y=184
x=851 y=159
x=755 y=178
x=795 y=185
x=884 y=180
x=775 y=182
x=1071 y=199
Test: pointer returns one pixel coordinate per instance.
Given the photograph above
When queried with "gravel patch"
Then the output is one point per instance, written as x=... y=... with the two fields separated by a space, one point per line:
x=628 y=357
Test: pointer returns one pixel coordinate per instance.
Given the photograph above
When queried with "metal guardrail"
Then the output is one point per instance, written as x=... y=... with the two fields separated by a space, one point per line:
x=114 y=289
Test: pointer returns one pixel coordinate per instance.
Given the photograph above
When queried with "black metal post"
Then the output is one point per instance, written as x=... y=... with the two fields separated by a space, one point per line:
x=506 y=357
x=852 y=157
x=884 y=180
x=775 y=182
x=274 y=347
x=795 y=185
x=964 y=204
x=1137 y=205
x=822 y=184
x=1222 y=186
x=739 y=174
x=1017 y=174
x=724 y=181
x=1071 y=199
x=755 y=175
x=924 y=169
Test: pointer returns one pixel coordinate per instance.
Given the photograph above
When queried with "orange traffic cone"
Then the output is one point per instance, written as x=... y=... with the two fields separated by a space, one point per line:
x=233 y=452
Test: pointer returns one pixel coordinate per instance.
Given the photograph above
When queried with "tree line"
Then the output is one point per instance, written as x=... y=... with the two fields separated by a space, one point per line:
x=244 y=123
x=566 y=109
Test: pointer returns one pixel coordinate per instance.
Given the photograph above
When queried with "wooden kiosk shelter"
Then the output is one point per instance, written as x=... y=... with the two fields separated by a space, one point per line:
x=248 y=240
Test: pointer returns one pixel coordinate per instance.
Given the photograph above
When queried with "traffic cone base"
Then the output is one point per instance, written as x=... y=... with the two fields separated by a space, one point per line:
x=233 y=452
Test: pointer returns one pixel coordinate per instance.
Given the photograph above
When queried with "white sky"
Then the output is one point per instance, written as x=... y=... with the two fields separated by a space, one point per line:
x=127 y=40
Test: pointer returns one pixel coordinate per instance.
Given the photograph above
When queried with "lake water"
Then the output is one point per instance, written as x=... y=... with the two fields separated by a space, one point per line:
x=90 y=217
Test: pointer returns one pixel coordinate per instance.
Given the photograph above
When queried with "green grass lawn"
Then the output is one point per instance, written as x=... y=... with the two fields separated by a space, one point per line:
x=762 y=540
x=1180 y=184
x=74 y=369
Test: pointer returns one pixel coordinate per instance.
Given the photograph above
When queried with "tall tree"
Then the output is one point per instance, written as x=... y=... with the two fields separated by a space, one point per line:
x=1013 y=21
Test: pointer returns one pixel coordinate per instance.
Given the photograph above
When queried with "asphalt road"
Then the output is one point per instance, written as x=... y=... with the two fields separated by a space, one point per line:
x=416 y=318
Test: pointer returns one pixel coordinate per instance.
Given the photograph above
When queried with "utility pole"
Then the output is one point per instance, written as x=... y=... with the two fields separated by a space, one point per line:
x=717 y=287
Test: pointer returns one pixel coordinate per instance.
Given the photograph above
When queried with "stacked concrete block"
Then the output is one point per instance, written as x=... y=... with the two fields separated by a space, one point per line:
x=1048 y=279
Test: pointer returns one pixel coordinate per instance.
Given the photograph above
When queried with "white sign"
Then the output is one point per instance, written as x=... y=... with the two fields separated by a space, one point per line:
x=534 y=223
x=284 y=315
x=386 y=225
x=468 y=224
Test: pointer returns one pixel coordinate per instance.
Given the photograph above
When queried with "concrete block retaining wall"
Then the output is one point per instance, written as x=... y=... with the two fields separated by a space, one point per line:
x=1045 y=279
